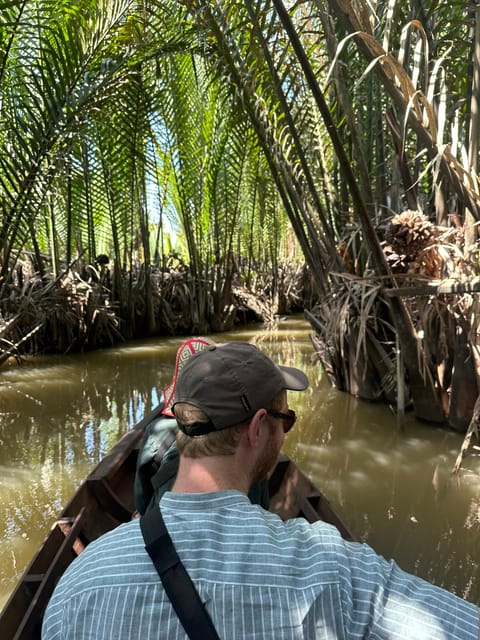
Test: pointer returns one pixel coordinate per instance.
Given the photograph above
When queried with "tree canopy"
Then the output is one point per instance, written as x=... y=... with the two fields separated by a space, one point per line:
x=242 y=125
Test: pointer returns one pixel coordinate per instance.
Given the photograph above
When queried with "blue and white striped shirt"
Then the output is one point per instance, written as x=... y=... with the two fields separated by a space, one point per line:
x=259 y=577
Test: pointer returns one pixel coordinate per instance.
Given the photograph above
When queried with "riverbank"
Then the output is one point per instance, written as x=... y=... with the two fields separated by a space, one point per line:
x=89 y=307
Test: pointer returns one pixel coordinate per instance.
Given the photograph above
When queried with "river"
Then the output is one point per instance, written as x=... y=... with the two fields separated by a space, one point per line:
x=59 y=415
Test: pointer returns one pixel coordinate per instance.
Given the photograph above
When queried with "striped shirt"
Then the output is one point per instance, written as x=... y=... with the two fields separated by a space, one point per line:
x=259 y=577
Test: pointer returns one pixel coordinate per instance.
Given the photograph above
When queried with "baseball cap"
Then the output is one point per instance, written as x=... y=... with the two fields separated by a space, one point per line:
x=230 y=382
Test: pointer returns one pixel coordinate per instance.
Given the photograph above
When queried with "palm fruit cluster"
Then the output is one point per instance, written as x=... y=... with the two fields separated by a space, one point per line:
x=409 y=244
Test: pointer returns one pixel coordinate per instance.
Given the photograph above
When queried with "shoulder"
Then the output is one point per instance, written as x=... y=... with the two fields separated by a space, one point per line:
x=116 y=557
x=236 y=531
x=116 y=563
x=113 y=543
x=317 y=544
x=306 y=534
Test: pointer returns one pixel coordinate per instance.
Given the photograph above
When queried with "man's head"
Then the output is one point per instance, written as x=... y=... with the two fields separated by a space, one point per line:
x=230 y=382
x=221 y=389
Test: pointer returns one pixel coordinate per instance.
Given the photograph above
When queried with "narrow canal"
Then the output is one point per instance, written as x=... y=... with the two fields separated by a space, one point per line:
x=394 y=490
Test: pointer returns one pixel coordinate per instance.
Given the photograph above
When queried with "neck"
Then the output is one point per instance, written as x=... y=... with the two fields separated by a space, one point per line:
x=208 y=474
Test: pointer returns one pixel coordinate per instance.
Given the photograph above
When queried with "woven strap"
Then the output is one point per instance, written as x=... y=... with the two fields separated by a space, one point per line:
x=177 y=583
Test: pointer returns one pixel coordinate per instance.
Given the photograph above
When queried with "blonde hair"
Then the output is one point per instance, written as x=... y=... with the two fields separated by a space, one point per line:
x=215 y=443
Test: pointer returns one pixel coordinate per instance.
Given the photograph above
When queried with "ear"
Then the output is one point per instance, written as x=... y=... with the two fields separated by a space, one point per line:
x=255 y=427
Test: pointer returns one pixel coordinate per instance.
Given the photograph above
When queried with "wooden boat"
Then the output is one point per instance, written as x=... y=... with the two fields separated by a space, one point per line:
x=103 y=501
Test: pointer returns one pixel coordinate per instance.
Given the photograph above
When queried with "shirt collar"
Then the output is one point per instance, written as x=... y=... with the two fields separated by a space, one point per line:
x=202 y=501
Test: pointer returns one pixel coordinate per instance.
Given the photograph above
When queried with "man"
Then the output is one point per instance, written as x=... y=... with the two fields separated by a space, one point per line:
x=258 y=576
x=158 y=458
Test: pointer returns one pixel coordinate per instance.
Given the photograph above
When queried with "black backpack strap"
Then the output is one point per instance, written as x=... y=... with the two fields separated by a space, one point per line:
x=165 y=473
x=177 y=583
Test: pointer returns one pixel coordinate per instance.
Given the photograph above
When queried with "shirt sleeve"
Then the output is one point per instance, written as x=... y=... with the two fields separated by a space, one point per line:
x=383 y=601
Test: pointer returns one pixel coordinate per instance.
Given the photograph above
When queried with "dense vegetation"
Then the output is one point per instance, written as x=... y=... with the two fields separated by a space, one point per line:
x=236 y=137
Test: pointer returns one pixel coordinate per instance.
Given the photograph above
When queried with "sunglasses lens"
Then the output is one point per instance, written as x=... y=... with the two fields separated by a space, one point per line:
x=288 y=424
x=288 y=419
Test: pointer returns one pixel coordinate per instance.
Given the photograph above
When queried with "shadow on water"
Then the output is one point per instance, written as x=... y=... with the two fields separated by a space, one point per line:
x=59 y=416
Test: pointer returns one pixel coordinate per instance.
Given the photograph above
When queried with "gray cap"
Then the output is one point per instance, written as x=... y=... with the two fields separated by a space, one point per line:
x=230 y=382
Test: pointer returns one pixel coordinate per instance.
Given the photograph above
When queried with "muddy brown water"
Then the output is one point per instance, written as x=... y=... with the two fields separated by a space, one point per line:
x=394 y=490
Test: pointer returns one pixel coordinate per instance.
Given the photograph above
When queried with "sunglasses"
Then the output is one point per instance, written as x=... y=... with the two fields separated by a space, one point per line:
x=288 y=418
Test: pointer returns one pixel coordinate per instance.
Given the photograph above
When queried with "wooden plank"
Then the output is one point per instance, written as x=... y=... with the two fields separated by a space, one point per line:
x=108 y=500
x=293 y=495
x=38 y=587
x=113 y=461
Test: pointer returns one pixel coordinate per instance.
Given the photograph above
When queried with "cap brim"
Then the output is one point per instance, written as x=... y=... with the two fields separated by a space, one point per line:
x=295 y=380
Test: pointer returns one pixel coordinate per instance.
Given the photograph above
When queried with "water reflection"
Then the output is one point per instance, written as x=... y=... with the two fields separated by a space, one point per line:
x=59 y=416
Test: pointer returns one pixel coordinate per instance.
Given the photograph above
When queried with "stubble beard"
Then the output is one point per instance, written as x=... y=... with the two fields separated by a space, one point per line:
x=267 y=461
